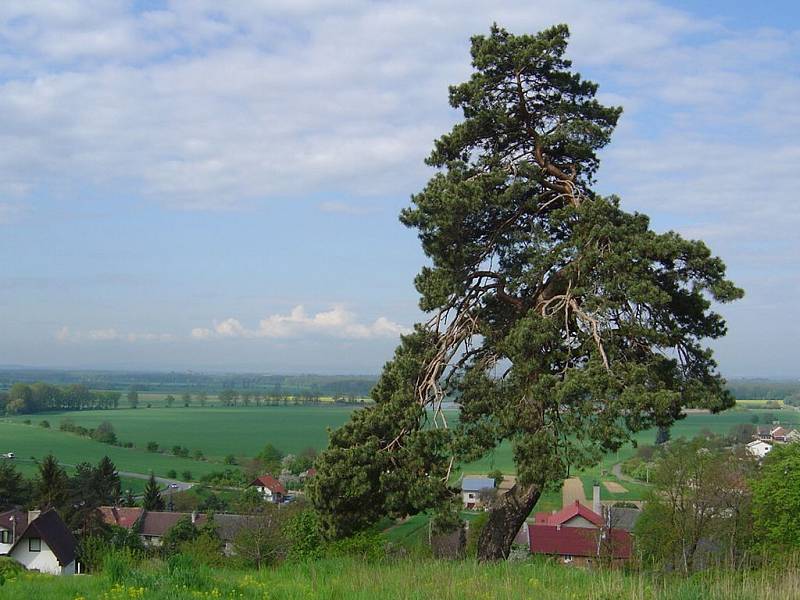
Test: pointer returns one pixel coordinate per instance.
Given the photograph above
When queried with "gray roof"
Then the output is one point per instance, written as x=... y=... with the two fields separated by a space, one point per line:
x=476 y=484
x=624 y=518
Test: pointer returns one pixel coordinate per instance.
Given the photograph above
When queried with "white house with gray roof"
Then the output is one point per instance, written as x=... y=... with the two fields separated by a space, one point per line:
x=471 y=488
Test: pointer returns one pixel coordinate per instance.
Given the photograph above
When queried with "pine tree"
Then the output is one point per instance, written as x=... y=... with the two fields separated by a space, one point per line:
x=51 y=485
x=560 y=323
x=108 y=482
x=13 y=488
x=152 y=499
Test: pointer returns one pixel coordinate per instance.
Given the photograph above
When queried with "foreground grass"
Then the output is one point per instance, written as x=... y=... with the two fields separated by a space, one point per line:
x=406 y=579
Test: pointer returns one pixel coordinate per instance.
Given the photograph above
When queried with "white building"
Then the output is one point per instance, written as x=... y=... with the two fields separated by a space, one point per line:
x=270 y=488
x=471 y=488
x=758 y=448
x=39 y=542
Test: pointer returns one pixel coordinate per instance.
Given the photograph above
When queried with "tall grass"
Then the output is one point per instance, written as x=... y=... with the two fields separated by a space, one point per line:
x=411 y=579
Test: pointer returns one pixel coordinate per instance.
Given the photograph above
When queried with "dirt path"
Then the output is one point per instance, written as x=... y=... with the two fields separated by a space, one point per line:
x=573 y=490
x=614 y=487
x=617 y=472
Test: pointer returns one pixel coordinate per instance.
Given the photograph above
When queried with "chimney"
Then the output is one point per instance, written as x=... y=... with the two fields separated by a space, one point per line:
x=596 y=506
x=33 y=514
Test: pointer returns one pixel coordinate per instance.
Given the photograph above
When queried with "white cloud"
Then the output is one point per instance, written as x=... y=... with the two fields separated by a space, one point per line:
x=66 y=334
x=337 y=322
x=201 y=105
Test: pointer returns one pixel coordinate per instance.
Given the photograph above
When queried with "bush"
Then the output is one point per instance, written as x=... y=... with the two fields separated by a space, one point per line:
x=186 y=475
x=152 y=446
x=365 y=545
x=476 y=525
x=45 y=423
x=172 y=474
x=303 y=537
x=230 y=459
x=105 y=433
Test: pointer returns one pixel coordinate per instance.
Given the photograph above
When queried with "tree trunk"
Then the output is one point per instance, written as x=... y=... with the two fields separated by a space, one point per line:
x=505 y=520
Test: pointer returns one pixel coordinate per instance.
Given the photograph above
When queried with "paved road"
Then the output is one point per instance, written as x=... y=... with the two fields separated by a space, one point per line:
x=179 y=486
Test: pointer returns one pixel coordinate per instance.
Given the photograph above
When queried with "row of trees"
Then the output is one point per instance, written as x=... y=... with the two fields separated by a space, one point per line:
x=235 y=398
x=76 y=497
x=24 y=398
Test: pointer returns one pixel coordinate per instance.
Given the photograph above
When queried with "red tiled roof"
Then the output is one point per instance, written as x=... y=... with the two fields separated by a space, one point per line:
x=779 y=432
x=269 y=482
x=120 y=516
x=567 y=513
x=577 y=541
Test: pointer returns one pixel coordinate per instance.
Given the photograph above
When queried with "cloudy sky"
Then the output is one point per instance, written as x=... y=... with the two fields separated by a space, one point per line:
x=189 y=186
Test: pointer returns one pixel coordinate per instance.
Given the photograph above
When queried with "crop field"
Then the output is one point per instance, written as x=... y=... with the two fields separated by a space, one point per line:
x=243 y=432
x=31 y=442
x=217 y=431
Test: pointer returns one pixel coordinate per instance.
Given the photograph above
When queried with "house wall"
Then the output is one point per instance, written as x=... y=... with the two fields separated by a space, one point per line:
x=44 y=560
x=579 y=521
x=266 y=492
x=4 y=548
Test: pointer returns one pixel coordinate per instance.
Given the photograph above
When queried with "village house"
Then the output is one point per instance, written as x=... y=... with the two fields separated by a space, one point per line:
x=758 y=448
x=270 y=488
x=578 y=535
x=152 y=526
x=472 y=488
x=776 y=433
x=39 y=542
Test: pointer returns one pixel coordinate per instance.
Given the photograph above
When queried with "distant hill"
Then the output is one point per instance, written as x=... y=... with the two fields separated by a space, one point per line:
x=324 y=385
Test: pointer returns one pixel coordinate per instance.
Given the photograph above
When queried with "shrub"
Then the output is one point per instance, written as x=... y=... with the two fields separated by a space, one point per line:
x=172 y=474
x=186 y=475
x=476 y=525
x=365 y=545
x=45 y=423
x=152 y=446
x=230 y=459
x=303 y=537
x=105 y=433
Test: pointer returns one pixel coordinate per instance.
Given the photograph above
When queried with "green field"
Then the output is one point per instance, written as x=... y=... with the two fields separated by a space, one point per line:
x=243 y=432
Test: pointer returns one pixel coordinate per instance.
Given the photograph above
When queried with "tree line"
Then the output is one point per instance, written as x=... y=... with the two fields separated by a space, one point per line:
x=24 y=398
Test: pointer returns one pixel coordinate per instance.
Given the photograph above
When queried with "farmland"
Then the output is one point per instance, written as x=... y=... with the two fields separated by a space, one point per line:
x=243 y=432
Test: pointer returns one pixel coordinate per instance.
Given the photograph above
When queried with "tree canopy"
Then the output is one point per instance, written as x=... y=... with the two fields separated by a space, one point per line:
x=559 y=322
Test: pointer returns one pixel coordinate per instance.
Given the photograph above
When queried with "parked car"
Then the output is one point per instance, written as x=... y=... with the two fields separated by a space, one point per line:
x=7 y=455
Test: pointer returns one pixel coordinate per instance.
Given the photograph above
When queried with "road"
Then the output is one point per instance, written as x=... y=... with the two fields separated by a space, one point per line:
x=165 y=482
x=180 y=486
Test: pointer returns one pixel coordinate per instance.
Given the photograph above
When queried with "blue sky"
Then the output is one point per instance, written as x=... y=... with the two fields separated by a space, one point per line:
x=184 y=186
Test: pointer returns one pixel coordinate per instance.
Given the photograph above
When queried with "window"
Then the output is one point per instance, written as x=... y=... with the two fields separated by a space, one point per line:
x=5 y=537
x=35 y=544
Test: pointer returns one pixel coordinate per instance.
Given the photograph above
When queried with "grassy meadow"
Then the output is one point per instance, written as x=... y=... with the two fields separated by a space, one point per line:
x=408 y=579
